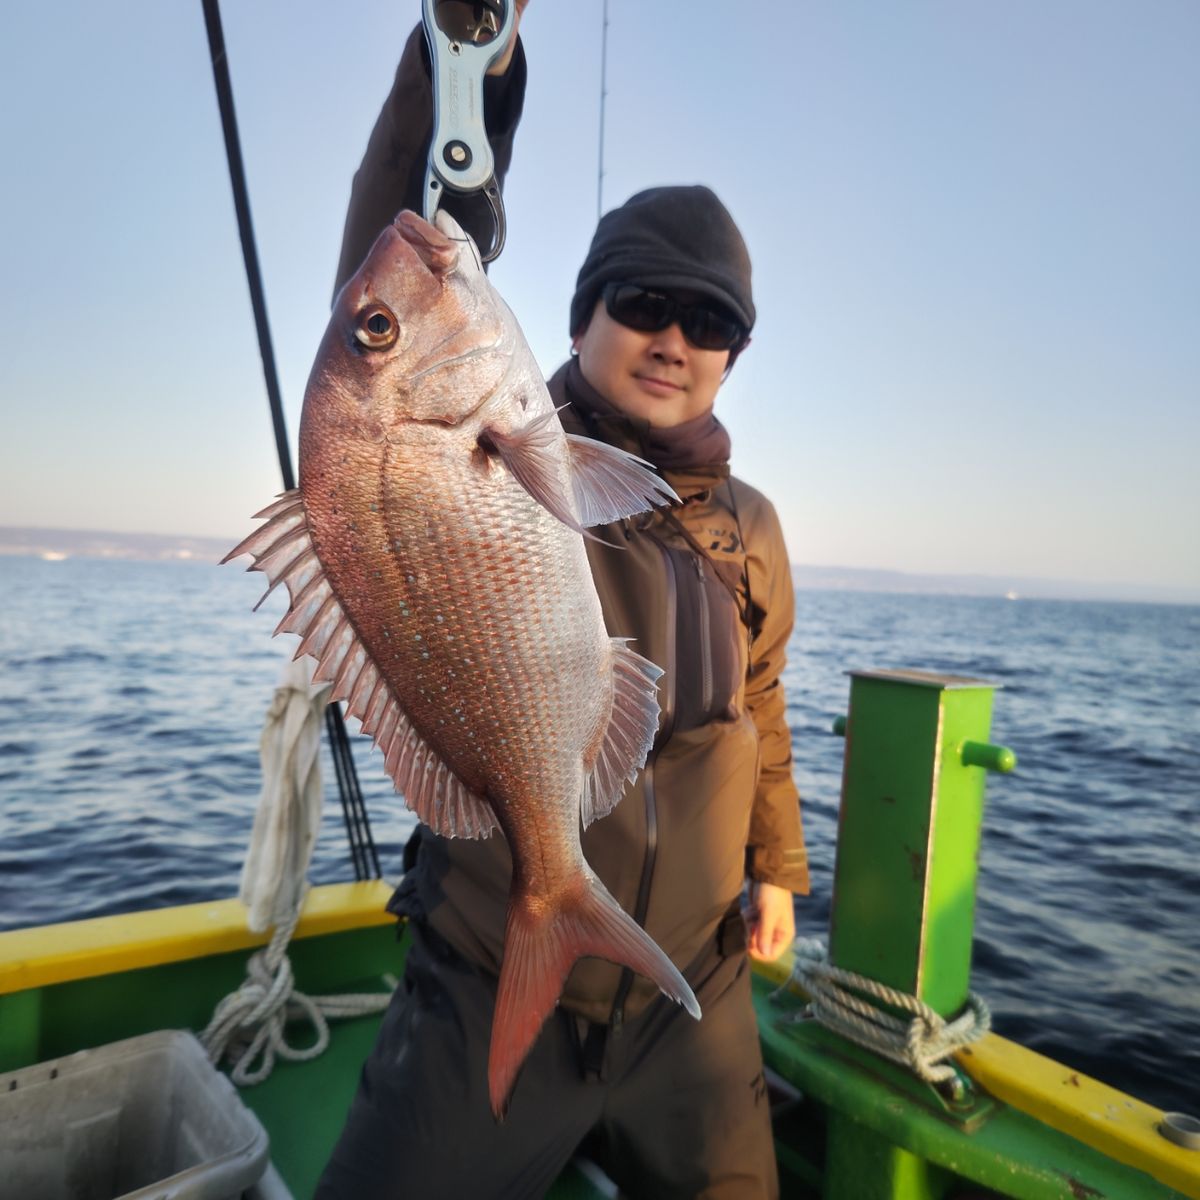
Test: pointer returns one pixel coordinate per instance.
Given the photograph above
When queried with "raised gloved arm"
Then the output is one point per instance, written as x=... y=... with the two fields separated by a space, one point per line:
x=392 y=173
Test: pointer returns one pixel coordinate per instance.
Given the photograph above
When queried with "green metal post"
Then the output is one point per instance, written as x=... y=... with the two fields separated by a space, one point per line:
x=904 y=885
x=908 y=843
x=861 y=1165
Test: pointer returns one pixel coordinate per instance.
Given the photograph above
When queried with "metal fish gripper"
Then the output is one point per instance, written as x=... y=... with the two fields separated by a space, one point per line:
x=464 y=40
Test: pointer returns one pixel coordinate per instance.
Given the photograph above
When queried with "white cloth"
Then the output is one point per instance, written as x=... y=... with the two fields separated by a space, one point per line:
x=275 y=873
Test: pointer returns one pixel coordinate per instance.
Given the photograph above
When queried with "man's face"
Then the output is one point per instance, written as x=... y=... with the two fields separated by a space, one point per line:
x=660 y=377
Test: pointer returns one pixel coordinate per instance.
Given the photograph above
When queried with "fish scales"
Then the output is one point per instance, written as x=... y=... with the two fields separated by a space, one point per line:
x=500 y=573
x=436 y=571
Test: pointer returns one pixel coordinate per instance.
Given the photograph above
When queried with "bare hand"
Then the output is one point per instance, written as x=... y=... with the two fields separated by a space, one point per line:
x=501 y=64
x=771 y=921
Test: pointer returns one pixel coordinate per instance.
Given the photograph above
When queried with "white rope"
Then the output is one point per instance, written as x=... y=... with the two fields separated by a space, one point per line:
x=261 y=1007
x=919 y=1044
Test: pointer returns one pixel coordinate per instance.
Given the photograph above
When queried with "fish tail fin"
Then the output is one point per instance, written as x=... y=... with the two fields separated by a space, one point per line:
x=539 y=952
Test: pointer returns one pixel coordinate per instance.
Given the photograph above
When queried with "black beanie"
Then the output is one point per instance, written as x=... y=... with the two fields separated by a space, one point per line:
x=668 y=237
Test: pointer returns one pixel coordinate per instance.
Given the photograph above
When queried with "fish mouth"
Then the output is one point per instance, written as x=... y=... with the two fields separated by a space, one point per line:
x=438 y=244
x=434 y=248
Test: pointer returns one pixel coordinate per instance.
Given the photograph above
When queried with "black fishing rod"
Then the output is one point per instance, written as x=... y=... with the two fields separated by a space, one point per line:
x=358 y=826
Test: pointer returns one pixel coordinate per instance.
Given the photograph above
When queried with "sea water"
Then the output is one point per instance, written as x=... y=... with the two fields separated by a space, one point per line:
x=132 y=696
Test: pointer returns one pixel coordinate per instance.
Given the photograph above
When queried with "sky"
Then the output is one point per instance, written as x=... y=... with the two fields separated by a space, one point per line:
x=973 y=227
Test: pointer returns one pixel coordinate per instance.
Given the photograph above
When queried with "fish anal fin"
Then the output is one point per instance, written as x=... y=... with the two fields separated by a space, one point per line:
x=632 y=725
x=541 y=945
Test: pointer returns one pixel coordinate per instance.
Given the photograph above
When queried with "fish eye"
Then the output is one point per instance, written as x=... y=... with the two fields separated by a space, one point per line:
x=377 y=327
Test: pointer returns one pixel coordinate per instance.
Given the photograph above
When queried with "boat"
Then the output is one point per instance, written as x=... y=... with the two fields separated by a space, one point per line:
x=850 y=1123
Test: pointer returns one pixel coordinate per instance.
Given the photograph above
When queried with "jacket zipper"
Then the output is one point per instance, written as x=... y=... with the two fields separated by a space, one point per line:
x=706 y=680
x=617 y=1019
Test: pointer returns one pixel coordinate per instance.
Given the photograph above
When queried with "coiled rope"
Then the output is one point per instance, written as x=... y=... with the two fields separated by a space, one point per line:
x=261 y=1007
x=919 y=1044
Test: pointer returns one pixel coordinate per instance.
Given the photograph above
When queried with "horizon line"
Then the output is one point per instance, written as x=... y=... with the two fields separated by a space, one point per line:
x=924 y=582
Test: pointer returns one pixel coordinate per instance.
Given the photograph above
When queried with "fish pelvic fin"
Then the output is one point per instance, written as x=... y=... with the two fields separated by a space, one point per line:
x=601 y=483
x=283 y=550
x=540 y=948
x=632 y=725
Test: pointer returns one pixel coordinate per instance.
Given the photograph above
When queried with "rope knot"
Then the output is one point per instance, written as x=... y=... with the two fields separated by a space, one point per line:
x=856 y=1007
x=248 y=1025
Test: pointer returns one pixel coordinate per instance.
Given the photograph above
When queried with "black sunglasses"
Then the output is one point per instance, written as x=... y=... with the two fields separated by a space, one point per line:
x=705 y=326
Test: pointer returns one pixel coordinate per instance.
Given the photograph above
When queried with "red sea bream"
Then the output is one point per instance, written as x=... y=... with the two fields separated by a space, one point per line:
x=434 y=558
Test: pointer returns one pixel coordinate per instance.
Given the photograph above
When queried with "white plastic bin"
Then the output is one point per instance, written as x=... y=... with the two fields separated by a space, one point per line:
x=149 y=1118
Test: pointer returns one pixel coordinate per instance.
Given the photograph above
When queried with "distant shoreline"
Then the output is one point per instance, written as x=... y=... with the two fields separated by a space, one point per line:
x=57 y=545
x=1015 y=588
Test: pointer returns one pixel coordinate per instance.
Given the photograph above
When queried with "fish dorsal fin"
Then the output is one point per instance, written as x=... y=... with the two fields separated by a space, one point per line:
x=630 y=733
x=606 y=484
x=283 y=551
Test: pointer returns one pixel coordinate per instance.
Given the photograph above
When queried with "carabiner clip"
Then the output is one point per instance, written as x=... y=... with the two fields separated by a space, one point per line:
x=460 y=158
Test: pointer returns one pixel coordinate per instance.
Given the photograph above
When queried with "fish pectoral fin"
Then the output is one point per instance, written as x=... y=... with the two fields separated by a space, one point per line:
x=533 y=456
x=610 y=484
x=629 y=735
x=539 y=952
x=601 y=484
x=282 y=549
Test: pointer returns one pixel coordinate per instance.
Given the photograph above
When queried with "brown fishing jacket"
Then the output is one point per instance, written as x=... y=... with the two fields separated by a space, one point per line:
x=704 y=591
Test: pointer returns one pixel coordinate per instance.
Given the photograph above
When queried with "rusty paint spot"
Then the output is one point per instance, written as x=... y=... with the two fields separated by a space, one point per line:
x=1073 y=1080
x=916 y=862
x=1081 y=1191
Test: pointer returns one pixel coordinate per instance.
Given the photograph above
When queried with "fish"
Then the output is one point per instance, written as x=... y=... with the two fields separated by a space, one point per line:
x=434 y=559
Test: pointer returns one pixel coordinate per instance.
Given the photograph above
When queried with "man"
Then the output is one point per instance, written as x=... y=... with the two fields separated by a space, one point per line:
x=667 y=1106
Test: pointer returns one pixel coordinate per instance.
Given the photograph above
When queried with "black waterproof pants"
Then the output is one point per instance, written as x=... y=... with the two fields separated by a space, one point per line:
x=669 y=1107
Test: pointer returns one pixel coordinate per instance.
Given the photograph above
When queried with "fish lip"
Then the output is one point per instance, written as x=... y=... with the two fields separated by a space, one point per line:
x=407 y=216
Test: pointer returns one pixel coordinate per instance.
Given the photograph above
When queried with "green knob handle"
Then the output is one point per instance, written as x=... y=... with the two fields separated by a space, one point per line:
x=984 y=754
x=839 y=726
